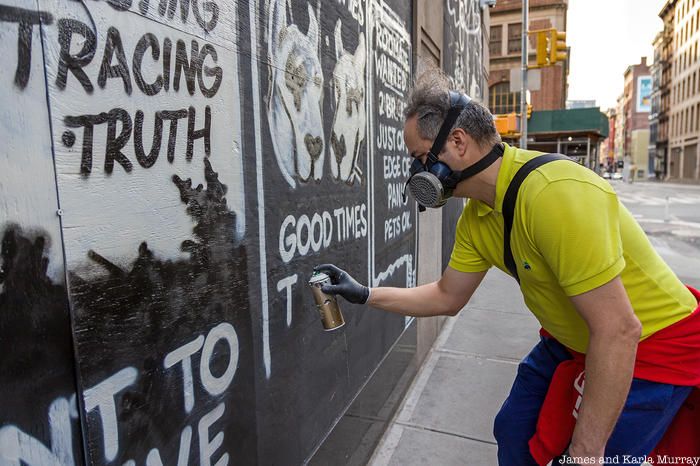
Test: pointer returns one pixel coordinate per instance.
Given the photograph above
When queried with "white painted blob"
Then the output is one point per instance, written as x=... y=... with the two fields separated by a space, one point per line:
x=27 y=187
x=113 y=213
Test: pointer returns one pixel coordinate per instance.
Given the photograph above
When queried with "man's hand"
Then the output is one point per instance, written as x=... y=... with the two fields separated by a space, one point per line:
x=343 y=284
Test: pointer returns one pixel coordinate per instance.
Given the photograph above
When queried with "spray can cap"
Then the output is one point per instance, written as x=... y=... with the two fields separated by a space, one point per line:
x=318 y=277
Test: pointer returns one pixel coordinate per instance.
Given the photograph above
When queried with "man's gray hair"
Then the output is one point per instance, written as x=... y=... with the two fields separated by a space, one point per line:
x=429 y=100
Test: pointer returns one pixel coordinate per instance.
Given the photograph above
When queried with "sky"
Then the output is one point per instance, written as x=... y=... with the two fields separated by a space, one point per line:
x=606 y=36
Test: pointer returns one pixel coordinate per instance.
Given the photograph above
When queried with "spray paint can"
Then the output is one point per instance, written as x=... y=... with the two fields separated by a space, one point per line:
x=326 y=304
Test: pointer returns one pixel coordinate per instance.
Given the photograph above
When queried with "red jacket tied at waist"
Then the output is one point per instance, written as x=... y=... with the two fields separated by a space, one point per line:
x=671 y=356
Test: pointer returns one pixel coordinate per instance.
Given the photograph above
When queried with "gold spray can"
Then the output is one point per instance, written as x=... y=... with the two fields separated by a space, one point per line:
x=326 y=304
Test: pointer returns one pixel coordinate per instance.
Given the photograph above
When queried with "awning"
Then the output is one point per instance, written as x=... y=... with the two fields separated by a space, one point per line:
x=576 y=120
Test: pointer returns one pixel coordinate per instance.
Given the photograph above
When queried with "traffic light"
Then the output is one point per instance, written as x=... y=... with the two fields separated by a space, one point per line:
x=550 y=47
x=542 y=43
x=529 y=111
x=507 y=125
x=557 y=46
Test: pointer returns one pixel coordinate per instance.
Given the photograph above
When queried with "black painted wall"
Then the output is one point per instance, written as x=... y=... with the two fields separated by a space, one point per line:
x=171 y=171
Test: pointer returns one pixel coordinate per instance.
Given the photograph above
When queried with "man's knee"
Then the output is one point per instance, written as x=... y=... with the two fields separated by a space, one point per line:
x=501 y=423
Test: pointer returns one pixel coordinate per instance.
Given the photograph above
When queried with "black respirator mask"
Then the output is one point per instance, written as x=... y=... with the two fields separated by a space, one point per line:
x=432 y=184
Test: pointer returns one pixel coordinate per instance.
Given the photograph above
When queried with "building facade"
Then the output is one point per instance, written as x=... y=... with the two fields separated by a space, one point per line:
x=619 y=141
x=665 y=61
x=636 y=108
x=685 y=94
x=607 y=149
x=505 y=47
x=656 y=157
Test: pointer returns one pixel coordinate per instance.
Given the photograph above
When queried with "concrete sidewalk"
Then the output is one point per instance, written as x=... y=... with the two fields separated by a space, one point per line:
x=447 y=415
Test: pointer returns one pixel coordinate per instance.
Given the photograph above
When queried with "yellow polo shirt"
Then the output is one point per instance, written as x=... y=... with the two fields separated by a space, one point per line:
x=570 y=235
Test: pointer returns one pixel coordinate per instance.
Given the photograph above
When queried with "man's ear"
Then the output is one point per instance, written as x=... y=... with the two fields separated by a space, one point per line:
x=461 y=140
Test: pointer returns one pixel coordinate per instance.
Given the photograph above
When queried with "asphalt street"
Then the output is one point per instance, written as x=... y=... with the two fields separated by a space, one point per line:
x=670 y=215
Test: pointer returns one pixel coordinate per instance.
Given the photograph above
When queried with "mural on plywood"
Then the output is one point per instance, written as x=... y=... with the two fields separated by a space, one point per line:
x=39 y=422
x=350 y=117
x=136 y=115
x=295 y=94
x=144 y=121
x=315 y=204
x=393 y=245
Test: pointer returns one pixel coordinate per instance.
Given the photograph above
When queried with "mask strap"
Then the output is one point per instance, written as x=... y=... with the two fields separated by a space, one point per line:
x=479 y=166
x=405 y=186
x=458 y=102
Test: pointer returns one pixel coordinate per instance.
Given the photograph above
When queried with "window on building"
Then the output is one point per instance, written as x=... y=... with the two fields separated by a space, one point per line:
x=673 y=125
x=502 y=101
x=496 y=41
x=692 y=118
x=697 y=117
x=515 y=38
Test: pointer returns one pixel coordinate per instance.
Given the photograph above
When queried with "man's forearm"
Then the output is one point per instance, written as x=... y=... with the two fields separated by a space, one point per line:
x=609 y=369
x=422 y=301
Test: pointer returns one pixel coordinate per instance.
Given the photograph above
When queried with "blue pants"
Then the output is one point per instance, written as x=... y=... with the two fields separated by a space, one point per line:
x=648 y=412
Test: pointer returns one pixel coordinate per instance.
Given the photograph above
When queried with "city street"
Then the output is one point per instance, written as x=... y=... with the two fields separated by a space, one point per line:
x=670 y=215
x=447 y=415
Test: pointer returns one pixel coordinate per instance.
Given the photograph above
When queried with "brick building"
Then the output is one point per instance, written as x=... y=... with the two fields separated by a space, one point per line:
x=505 y=47
x=636 y=108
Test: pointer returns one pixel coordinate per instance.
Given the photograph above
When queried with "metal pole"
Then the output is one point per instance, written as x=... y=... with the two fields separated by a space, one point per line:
x=588 y=152
x=523 y=91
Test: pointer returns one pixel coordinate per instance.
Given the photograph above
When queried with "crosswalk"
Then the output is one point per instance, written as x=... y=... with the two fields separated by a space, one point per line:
x=638 y=199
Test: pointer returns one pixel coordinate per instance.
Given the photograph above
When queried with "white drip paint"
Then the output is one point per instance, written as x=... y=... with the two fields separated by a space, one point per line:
x=255 y=84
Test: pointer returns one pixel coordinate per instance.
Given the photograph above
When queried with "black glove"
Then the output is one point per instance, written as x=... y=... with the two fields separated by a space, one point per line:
x=343 y=284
